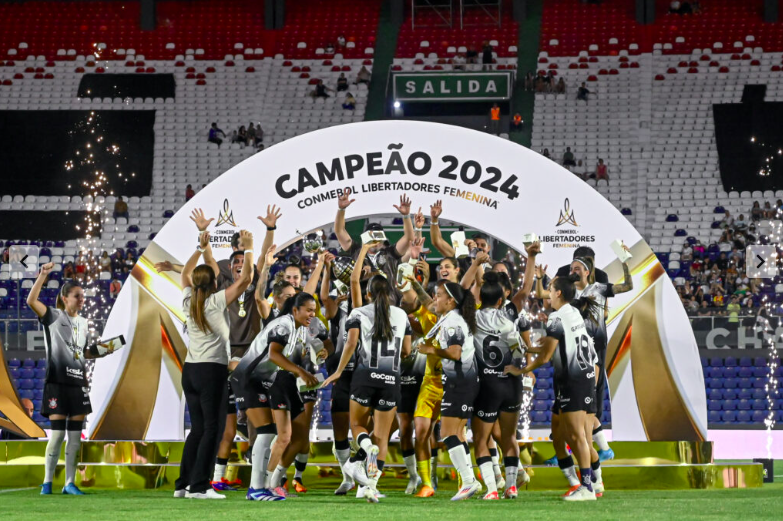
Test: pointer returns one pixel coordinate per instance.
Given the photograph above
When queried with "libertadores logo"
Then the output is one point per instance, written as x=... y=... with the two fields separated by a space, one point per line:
x=226 y=216
x=566 y=215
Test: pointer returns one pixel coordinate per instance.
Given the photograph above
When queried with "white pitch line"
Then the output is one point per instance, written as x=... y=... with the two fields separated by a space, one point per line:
x=6 y=490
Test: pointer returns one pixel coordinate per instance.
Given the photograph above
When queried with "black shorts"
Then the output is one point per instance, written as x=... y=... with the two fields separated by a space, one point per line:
x=497 y=395
x=284 y=395
x=458 y=398
x=309 y=396
x=68 y=400
x=409 y=394
x=232 y=401
x=252 y=395
x=575 y=394
x=381 y=399
x=341 y=393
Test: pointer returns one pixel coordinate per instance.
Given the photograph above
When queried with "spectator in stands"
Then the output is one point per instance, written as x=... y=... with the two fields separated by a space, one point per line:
x=727 y=221
x=698 y=249
x=215 y=135
x=756 y=213
x=516 y=123
x=687 y=253
x=540 y=82
x=350 y=102
x=68 y=271
x=486 y=57
x=29 y=409
x=259 y=134
x=726 y=241
x=234 y=137
x=583 y=92
x=242 y=135
x=105 y=262
x=778 y=207
x=560 y=88
x=114 y=288
x=341 y=41
x=568 y=158
x=601 y=172
x=342 y=82
x=81 y=267
x=530 y=80
x=736 y=256
x=494 y=119
x=5 y=255
x=459 y=63
x=320 y=90
x=768 y=212
x=722 y=261
x=704 y=309
x=740 y=224
x=129 y=260
x=189 y=193
x=251 y=135
x=549 y=79
x=120 y=208
x=471 y=55
x=329 y=48
x=545 y=153
x=117 y=260
x=363 y=76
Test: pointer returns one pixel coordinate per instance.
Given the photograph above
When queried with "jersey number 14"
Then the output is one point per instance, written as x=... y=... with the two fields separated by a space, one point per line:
x=380 y=350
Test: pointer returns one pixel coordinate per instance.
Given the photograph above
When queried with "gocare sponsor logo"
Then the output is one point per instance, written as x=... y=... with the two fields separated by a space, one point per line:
x=388 y=378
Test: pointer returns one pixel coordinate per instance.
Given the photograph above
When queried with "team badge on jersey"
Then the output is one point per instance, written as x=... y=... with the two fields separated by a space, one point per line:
x=52 y=403
x=282 y=330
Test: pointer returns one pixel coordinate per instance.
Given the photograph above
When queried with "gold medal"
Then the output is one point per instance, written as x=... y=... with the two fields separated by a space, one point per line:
x=242 y=313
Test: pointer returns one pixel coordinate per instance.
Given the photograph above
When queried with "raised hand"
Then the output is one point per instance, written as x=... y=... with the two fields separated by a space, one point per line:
x=46 y=268
x=197 y=216
x=246 y=240
x=328 y=258
x=482 y=257
x=203 y=240
x=343 y=201
x=272 y=215
x=436 y=209
x=405 y=205
x=424 y=269
x=270 y=255
x=415 y=248
x=418 y=219
x=164 y=266
x=533 y=249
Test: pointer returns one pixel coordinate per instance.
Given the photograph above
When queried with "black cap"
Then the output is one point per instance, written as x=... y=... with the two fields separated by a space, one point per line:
x=375 y=227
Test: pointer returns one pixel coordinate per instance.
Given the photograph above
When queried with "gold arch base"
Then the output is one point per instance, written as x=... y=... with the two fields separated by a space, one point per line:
x=136 y=465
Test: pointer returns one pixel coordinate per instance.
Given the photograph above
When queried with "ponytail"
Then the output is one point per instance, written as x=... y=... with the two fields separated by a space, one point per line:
x=491 y=290
x=379 y=289
x=588 y=308
x=203 y=278
x=466 y=304
x=64 y=292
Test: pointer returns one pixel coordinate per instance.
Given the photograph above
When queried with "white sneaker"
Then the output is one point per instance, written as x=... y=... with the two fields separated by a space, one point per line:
x=209 y=494
x=580 y=494
x=413 y=485
x=360 y=491
x=345 y=487
x=467 y=491
x=371 y=495
x=180 y=493
x=372 y=460
x=523 y=478
x=598 y=488
x=355 y=470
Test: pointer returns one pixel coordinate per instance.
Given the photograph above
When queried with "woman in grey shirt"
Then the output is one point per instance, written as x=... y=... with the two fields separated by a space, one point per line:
x=205 y=371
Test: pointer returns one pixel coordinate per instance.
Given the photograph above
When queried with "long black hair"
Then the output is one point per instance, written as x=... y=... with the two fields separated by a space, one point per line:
x=586 y=306
x=297 y=301
x=466 y=304
x=380 y=291
x=491 y=290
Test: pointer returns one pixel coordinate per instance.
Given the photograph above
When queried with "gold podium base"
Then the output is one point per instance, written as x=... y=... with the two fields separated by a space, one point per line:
x=136 y=465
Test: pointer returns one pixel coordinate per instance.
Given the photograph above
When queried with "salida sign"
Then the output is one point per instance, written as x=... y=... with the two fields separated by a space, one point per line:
x=452 y=86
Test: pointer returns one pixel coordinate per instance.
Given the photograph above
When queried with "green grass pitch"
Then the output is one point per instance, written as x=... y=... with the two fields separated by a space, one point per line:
x=319 y=504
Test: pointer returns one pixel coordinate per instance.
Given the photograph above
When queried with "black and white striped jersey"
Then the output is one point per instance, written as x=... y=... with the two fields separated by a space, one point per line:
x=380 y=360
x=575 y=356
x=496 y=341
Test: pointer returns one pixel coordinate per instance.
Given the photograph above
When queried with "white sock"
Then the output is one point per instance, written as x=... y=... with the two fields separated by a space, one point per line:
x=72 y=451
x=460 y=461
x=366 y=443
x=268 y=478
x=220 y=472
x=495 y=463
x=600 y=439
x=301 y=459
x=260 y=459
x=342 y=457
x=277 y=477
x=511 y=476
x=488 y=475
x=597 y=474
x=571 y=475
x=410 y=464
x=53 y=454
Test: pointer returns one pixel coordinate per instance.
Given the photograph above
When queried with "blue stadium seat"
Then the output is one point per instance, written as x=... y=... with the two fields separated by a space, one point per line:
x=26 y=393
x=26 y=383
x=760 y=361
x=40 y=373
x=714 y=417
x=759 y=394
x=759 y=405
x=730 y=383
x=606 y=417
x=15 y=373
x=716 y=372
x=716 y=362
x=544 y=383
x=759 y=383
x=539 y=405
x=744 y=417
x=730 y=372
x=745 y=394
x=761 y=372
x=704 y=361
x=715 y=394
x=730 y=361
x=729 y=405
x=759 y=416
x=538 y=417
x=744 y=405
x=28 y=362
x=38 y=394
x=541 y=394
x=26 y=373
x=729 y=416
x=745 y=361
x=746 y=372
x=607 y=405
x=39 y=383
x=713 y=405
